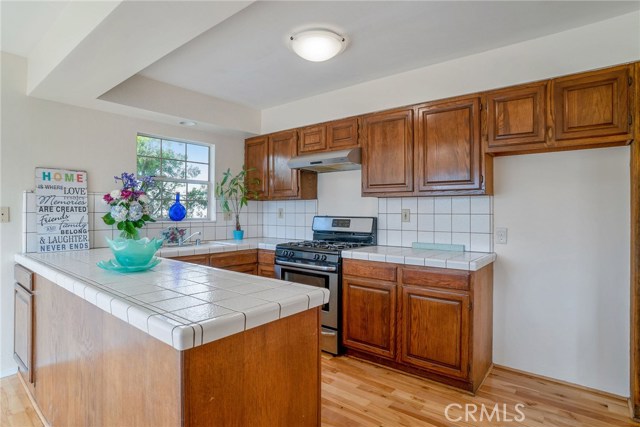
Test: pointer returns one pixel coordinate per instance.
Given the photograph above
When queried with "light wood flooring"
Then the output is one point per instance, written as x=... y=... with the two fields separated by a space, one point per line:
x=356 y=393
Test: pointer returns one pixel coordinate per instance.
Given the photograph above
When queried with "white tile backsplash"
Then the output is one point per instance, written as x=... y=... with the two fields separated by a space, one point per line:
x=463 y=220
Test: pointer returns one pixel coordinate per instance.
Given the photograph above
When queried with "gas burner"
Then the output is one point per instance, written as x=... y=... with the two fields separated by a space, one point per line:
x=325 y=245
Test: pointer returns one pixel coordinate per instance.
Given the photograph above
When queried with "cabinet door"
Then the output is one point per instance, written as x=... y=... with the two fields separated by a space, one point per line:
x=267 y=271
x=448 y=145
x=592 y=108
x=435 y=330
x=387 y=158
x=283 y=181
x=369 y=316
x=256 y=155
x=516 y=117
x=342 y=134
x=313 y=139
x=23 y=332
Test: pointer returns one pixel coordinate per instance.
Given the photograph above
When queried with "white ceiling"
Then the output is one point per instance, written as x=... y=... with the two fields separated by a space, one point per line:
x=246 y=58
x=24 y=23
x=221 y=63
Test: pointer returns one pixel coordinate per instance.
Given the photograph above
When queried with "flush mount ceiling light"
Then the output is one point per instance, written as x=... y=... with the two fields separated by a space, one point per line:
x=188 y=123
x=317 y=45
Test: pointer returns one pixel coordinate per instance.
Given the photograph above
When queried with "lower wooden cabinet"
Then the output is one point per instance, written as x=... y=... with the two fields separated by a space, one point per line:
x=23 y=323
x=369 y=316
x=431 y=322
x=435 y=330
x=257 y=262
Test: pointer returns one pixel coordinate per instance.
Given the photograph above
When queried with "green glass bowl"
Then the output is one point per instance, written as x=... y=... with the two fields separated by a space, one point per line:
x=132 y=253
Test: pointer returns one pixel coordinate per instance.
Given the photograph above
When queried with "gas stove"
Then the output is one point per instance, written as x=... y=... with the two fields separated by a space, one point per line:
x=318 y=262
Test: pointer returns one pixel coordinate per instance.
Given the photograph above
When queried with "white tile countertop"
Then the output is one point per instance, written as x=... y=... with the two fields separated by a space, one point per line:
x=221 y=246
x=183 y=305
x=470 y=261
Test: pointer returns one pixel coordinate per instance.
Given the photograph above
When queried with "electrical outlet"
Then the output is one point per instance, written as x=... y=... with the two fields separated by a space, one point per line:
x=406 y=215
x=501 y=235
x=227 y=216
x=4 y=214
x=280 y=213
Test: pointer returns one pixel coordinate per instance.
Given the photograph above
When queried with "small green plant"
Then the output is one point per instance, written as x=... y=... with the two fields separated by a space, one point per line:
x=234 y=192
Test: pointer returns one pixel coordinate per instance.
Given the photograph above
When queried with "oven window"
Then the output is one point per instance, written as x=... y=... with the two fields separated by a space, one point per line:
x=311 y=279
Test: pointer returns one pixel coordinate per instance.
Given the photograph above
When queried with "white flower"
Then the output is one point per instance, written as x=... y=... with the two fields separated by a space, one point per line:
x=135 y=211
x=144 y=198
x=115 y=194
x=119 y=213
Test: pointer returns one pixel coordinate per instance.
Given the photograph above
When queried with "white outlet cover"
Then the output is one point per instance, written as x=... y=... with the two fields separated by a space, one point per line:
x=4 y=214
x=501 y=235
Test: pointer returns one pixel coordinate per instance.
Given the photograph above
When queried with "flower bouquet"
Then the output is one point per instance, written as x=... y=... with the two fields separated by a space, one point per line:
x=129 y=205
x=130 y=211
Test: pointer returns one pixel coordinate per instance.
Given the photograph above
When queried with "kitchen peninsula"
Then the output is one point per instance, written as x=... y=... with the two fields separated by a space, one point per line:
x=229 y=349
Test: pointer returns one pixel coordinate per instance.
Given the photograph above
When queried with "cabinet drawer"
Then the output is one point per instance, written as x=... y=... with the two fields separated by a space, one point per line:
x=435 y=278
x=234 y=258
x=194 y=259
x=245 y=268
x=23 y=276
x=266 y=256
x=370 y=269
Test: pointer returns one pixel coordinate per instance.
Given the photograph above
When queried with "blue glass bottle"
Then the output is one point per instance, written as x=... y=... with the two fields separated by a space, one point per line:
x=177 y=212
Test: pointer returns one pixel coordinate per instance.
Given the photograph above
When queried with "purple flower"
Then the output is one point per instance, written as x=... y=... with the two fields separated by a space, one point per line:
x=125 y=194
x=107 y=198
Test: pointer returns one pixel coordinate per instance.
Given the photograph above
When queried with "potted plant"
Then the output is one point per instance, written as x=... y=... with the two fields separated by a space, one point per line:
x=234 y=194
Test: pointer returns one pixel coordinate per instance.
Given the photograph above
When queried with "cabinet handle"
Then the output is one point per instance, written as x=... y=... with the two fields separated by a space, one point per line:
x=549 y=133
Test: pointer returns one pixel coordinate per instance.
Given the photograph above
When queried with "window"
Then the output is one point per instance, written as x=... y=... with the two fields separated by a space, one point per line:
x=178 y=167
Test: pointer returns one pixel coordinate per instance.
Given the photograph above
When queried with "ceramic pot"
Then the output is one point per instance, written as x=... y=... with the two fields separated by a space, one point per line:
x=238 y=234
x=134 y=253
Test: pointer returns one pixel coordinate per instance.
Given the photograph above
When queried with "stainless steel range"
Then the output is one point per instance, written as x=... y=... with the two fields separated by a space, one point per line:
x=318 y=262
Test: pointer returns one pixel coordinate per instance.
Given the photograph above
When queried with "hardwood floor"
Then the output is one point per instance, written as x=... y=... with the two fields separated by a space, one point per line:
x=356 y=393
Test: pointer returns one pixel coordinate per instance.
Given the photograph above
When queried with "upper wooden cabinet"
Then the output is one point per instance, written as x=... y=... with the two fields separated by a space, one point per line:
x=516 y=118
x=283 y=182
x=592 y=108
x=313 y=139
x=342 y=134
x=448 y=146
x=268 y=156
x=387 y=152
x=256 y=155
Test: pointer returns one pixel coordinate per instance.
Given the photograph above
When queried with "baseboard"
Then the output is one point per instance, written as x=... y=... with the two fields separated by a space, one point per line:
x=564 y=383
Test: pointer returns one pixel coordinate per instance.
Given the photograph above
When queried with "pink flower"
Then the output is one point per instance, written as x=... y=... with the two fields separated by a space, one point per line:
x=125 y=194
x=107 y=198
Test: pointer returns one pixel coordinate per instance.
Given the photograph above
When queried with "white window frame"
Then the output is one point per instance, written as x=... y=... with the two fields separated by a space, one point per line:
x=211 y=201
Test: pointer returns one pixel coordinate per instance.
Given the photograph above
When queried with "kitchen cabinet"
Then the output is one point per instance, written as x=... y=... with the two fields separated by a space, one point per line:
x=241 y=261
x=592 y=108
x=23 y=323
x=342 y=134
x=266 y=263
x=387 y=157
x=268 y=156
x=369 y=316
x=256 y=155
x=432 y=322
x=448 y=146
x=516 y=118
x=435 y=330
x=313 y=139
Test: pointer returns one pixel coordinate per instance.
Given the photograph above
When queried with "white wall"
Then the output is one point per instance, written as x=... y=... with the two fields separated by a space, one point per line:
x=572 y=353
x=562 y=280
x=44 y=133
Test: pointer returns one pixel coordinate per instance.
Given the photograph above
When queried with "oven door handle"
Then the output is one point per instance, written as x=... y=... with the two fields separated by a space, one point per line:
x=307 y=266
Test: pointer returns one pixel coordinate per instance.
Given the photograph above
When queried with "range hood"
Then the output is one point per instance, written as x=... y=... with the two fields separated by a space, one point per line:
x=332 y=161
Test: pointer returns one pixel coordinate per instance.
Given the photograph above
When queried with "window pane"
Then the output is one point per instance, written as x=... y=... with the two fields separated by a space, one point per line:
x=148 y=166
x=198 y=192
x=173 y=150
x=197 y=153
x=197 y=208
x=198 y=171
x=173 y=169
x=147 y=146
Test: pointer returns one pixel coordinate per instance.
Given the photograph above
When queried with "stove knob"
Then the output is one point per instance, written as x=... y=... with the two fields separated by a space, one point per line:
x=290 y=254
x=324 y=257
x=316 y=257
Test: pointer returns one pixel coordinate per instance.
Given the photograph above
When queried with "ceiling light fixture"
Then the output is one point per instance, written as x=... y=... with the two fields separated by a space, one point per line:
x=188 y=123
x=317 y=45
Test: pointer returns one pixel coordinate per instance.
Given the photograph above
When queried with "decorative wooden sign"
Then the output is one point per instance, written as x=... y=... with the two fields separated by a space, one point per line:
x=62 y=211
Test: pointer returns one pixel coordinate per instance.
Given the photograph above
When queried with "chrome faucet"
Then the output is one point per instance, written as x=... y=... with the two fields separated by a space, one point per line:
x=183 y=240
